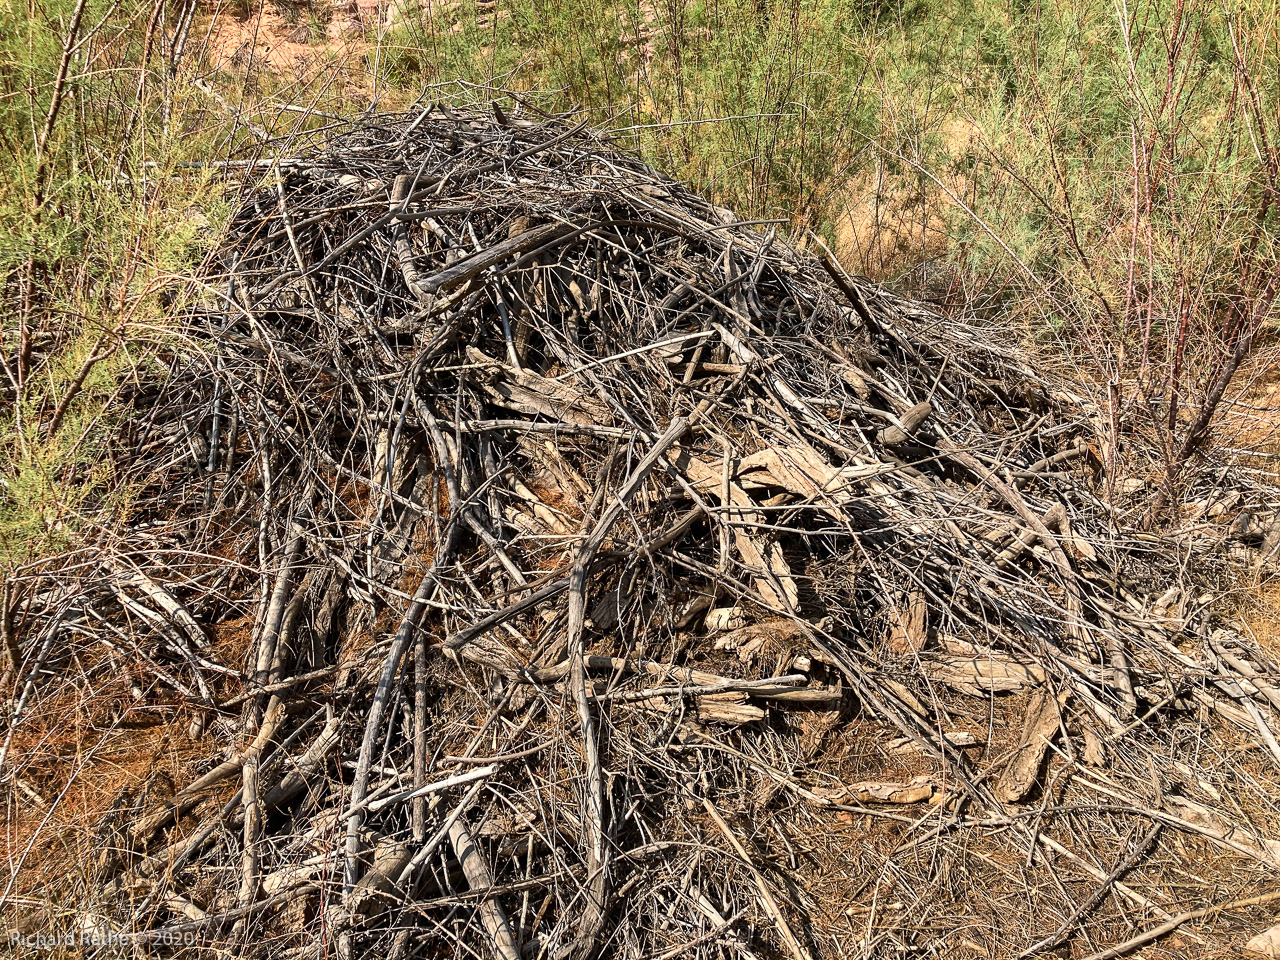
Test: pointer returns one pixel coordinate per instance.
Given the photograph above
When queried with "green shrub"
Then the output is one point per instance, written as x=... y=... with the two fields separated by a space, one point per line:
x=95 y=213
x=1119 y=187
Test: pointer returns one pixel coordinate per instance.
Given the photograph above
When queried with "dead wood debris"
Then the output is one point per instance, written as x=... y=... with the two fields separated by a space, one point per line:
x=562 y=506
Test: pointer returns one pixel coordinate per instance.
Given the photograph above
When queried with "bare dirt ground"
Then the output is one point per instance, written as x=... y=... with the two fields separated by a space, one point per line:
x=287 y=39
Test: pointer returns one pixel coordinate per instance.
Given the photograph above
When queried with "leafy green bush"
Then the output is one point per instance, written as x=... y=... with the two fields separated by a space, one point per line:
x=761 y=103
x=1117 y=184
x=95 y=214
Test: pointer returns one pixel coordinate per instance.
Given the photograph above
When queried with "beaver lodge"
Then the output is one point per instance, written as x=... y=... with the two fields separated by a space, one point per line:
x=548 y=565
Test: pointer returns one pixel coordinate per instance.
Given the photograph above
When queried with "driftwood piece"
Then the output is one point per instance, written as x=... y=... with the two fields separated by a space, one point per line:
x=980 y=676
x=778 y=590
x=480 y=879
x=1038 y=730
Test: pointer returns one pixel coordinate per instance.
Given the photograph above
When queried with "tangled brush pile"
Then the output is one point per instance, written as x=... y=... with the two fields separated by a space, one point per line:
x=612 y=579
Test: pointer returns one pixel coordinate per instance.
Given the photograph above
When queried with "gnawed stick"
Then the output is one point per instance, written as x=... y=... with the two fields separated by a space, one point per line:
x=794 y=947
x=1155 y=933
x=1100 y=892
x=593 y=914
x=480 y=878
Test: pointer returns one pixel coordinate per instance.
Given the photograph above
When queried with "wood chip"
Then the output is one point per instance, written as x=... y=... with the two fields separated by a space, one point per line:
x=916 y=790
x=908 y=625
x=1265 y=944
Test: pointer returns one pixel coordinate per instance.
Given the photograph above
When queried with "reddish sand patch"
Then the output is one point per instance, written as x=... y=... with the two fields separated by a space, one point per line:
x=290 y=40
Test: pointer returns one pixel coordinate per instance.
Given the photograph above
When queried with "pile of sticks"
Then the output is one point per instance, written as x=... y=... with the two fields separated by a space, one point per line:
x=572 y=532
